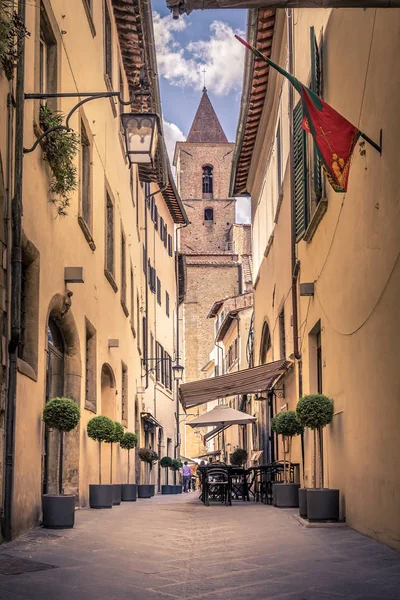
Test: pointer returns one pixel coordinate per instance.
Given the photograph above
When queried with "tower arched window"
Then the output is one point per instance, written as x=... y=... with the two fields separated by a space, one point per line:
x=209 y=214
x=207 y=180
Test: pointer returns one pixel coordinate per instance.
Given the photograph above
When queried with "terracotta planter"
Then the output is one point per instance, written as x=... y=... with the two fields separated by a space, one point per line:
x=58 y=511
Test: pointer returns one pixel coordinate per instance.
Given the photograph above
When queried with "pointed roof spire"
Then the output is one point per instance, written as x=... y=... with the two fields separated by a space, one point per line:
x=206 y=127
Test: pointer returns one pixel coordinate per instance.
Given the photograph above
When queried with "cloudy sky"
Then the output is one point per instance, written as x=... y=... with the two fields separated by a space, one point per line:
x=204 y=40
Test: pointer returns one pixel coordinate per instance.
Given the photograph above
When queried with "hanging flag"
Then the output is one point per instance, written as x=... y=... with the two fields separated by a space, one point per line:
x=335 y=137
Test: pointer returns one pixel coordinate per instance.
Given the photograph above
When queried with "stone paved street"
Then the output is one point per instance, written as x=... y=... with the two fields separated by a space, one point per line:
x=174 y=547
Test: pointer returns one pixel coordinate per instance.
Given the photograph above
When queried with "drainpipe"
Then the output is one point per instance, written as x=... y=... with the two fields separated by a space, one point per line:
x=294 y=263
x=177 y=441
x=16 y=268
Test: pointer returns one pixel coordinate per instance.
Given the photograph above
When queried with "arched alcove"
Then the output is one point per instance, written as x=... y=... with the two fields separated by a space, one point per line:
x=108 y=398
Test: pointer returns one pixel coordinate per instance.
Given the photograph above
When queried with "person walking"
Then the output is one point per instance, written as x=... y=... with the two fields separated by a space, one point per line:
x=186 y=476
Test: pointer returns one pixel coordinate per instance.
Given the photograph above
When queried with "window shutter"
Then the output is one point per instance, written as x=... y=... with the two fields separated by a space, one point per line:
x=300 y=173
x=316 y=87
x=165 y=235
x=155 y=217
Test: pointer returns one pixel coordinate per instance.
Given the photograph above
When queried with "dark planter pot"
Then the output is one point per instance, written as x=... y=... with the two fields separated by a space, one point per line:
x=128 y=492
x=303 y=502
x=116 y=494
x=286 y=495
x=58 y=511
x=323 y=505
x=274 y=486
x=167 y=489
x=153 y=489
x=145 y=491
x=177 y=489
x=101 y=495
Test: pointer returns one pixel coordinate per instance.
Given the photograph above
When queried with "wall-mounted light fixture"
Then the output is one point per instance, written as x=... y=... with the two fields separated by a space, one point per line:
x=114 y=343
x=73 y=275
x=307 y=289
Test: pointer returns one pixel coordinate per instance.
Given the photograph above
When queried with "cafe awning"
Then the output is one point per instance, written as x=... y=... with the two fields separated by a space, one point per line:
x=214 y=432
x=248 y=381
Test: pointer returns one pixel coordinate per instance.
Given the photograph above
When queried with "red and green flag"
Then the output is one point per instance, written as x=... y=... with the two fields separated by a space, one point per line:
x=334 y=136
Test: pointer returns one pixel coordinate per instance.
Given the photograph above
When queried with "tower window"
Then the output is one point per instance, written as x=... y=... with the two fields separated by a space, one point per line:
x=209 y=214
x=207 y=180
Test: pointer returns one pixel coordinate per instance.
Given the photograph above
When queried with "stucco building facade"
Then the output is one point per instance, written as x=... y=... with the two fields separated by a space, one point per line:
x=341 y=337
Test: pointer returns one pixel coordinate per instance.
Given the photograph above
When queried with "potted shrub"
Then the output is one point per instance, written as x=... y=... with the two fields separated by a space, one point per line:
x=119 y=431
x=287 y=425
x=62 y=414
x=101 y=429
x=315 y=412
x=148 y=456
x=128 y=490
x=239 y=457
x=166 y=463
x=175 y=467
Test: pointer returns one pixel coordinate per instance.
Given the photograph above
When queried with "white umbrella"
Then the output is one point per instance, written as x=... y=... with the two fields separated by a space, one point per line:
x=222 y=415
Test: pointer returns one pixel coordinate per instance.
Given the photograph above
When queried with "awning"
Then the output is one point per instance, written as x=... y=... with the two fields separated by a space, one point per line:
x=150 y=419
x=248 y=381
x=212 y=453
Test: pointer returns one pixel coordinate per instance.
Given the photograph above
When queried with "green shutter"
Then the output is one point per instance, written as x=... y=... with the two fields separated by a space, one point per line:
x=316 y=87
x=300 y=173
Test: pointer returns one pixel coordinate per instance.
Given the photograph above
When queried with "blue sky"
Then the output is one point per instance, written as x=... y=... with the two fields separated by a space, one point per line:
x=204 y=39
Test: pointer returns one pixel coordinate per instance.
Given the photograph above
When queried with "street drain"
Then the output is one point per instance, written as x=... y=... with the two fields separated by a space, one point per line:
x=11 y=565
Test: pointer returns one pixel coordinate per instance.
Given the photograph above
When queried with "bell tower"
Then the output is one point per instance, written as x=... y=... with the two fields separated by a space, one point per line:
x=203 y=166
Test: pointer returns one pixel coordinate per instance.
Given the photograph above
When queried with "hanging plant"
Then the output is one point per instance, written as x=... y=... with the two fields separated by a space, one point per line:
x=59 y=150
x=12 y=30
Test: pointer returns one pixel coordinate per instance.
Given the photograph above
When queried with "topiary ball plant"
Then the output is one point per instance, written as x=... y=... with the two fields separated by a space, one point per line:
x=315 y=412
x=287 y=425
x=176 y=464
x=147 y=455
x=62 y=414
x=119 y=431
x=128 y=442
x=101 y=429
x=166 y=462
x=239 y=457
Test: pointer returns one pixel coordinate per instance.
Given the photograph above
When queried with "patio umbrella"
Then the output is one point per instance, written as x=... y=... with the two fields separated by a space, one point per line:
x=222 y=415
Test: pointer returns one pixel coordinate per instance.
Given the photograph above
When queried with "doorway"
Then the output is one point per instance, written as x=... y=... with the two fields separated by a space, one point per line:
x=54 y=389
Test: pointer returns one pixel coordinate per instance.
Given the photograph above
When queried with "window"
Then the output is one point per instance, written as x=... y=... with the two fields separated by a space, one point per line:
x=123 y=272
x=170 y=249
x=138 y=320
x=159 y=361
x=47 y=58
x=168 y=371
x=209 y=214
x=152 y=278
x=124 y=394
x=144 y=256
x=207 y=181
x=162 y=230
x=165 y=235
x=167 y=303
x=109 y=235
x=282 y=335
x=132 y=281
x=86 y=178
x=144 y=337
x=159 y=291
x=265 y=343
x=90 y=368
x=279 y=158
x=151 y=348
x=107 y=43
x=300 y=173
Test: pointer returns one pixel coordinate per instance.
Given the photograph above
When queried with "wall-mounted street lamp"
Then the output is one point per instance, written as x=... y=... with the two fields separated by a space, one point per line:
x=178 y=372
x=140 y=129
x=154 y=362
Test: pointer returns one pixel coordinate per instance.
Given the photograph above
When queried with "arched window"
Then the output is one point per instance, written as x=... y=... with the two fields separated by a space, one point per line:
x=209 y=214
x=265 y=343
x=207 y=180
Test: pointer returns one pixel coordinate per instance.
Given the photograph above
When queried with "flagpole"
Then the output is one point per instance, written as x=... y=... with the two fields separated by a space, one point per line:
x=372 y=143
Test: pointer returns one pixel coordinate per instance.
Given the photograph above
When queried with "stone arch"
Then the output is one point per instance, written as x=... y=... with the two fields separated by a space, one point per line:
x=108 y=394
x=59 y=310
x=207 y=180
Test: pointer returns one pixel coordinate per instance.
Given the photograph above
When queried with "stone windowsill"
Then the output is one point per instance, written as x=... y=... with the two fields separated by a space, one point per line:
x=86 y=233
x=111 y=280
x=319 y=212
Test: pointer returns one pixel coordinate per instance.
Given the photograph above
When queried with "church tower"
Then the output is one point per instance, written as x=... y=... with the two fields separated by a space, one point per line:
x=203 y=164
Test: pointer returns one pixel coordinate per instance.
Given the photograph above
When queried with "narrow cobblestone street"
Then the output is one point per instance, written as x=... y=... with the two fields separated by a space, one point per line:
x=174 y=547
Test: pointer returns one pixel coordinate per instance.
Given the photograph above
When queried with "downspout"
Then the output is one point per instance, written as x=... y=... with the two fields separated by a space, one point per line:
x=16 y=269
x=294 y=263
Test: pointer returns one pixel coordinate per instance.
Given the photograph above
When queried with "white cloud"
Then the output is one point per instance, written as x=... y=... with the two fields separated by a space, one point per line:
x=172 y=134
x=243 y=210
x=221 y=55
